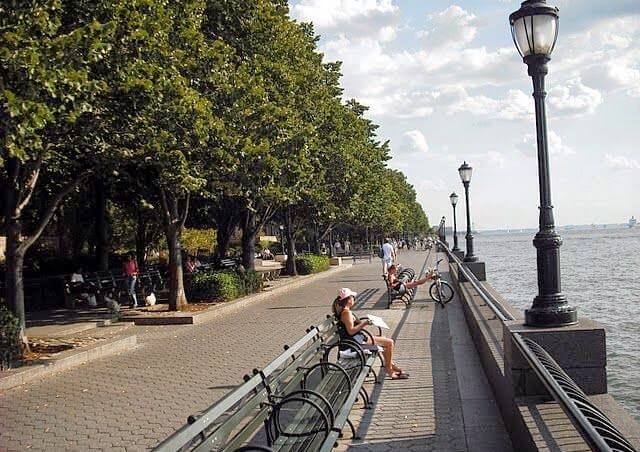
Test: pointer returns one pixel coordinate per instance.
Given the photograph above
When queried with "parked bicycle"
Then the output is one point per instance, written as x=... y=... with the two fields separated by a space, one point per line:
x=440 y=290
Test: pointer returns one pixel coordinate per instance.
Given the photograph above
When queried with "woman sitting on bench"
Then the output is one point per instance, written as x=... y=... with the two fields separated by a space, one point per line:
x=350 y=327
x=402 y=286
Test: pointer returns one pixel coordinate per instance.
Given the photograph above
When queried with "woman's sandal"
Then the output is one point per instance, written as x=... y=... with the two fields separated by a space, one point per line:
x=399 y=371
x=399 y=376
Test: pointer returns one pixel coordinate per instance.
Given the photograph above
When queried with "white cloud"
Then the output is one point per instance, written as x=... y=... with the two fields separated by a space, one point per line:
x=529 y=146
x=430 y=186
x=355 y=18
x=620 y=162
x=416 y=141
x=452 y=28
x=605 y=56
x=516 y=105
x=414 y=84
x=574 y=98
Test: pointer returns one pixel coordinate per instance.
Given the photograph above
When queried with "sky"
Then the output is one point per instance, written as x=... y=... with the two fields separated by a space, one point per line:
x=445 y=84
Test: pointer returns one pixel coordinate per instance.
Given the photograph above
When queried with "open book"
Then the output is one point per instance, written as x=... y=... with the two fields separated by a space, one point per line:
x=377 y=321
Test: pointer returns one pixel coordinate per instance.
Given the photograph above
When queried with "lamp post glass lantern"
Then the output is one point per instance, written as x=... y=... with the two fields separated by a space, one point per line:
x=534 y=28
x=465 y=172
x=454 y=200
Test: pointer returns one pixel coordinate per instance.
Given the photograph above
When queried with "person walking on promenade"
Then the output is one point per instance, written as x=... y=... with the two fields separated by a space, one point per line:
x=388 y=255
x=350 y=327
x=130 y=269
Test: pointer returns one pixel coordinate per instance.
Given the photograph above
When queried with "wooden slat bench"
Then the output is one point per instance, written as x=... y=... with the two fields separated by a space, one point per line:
x=228 y=264
x=298 y=402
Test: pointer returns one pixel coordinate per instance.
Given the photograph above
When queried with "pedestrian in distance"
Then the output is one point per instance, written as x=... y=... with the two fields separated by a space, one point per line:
x=190 y=265
x=387 y=254
x=130 y=270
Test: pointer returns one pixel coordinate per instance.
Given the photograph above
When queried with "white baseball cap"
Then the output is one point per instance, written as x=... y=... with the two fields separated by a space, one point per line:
x=346 y=292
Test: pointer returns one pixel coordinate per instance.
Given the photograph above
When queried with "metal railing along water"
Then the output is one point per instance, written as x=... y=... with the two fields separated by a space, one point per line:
x=497 y=309
x=593 y=425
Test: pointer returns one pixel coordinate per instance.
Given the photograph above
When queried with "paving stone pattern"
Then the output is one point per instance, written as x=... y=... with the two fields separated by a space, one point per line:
x=133 y=400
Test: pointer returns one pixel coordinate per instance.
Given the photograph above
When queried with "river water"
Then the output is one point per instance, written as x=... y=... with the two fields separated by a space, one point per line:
x=600 y=276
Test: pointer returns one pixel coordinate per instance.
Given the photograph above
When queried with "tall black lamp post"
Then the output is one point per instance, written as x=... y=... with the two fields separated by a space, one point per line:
x=465 y=171
x=454 y=200
x=535 y=29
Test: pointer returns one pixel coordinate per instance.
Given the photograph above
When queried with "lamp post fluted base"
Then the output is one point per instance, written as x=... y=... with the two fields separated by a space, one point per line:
x=549 y=311
x=549 y=316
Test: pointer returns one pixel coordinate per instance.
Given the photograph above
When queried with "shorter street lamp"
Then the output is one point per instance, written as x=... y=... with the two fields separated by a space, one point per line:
x=465 y=171
x=534 y=28
x=454 y=200
x=281 y=227
x=443 y=232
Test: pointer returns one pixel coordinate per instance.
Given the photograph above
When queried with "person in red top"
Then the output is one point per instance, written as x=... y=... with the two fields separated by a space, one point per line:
x=130 y=269
x=190 y=265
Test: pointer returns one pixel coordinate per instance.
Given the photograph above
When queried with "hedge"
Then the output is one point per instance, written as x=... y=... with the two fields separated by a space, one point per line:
x=312 y=263
x=10 y=349
x=226 y=285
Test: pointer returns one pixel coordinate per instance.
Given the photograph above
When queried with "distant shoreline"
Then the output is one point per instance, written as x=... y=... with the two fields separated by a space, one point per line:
x=565 y=228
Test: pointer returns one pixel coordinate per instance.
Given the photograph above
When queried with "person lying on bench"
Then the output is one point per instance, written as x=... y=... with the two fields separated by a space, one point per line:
x=400 y=286
x=350 y=327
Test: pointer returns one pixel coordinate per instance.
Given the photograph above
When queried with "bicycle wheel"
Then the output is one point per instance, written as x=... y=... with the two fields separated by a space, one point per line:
x=443 y=294
x=447 y=291
x=434 y=293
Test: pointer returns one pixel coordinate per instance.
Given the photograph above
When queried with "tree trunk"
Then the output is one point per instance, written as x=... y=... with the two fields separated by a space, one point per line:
x=226 y=226
x=291 y=244
x=14 y=259
x=141 y=240
x=316 y=239
x=331 y=250
x=227 y=216
x=17 y=190
x=177 y=297
x=102 y=236
x=249 y=233
x=77 y=235
x=222 y=243
x=173 y=224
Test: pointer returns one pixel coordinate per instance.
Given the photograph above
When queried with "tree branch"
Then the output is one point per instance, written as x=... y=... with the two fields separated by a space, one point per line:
x=326 y=231
x=44 y=221
x=185 y=212
x=165 y=207
x=30 y=185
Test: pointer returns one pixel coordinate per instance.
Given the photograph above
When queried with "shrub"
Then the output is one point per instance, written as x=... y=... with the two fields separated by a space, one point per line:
x=219 y=284
x=312 y=263
x=10 y=347
x=252 y=282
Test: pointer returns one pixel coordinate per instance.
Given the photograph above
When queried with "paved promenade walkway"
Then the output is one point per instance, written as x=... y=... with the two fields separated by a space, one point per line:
x=133 y=400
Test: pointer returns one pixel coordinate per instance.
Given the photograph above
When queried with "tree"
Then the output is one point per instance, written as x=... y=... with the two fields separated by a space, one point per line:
x=158 y=67
x=267 y=136
x=46 y=96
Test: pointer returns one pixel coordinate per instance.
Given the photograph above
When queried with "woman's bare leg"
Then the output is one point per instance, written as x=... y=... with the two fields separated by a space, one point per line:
x=387 y=344
x=417 y=282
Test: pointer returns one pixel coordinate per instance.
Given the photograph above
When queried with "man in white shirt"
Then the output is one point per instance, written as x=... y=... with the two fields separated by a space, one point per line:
x=388 y=256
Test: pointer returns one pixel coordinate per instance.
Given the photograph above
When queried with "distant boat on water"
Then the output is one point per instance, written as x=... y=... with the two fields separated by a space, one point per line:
x=632 y=221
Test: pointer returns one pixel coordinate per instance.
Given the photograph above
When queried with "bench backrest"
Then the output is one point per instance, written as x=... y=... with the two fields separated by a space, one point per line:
x=236 y=418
